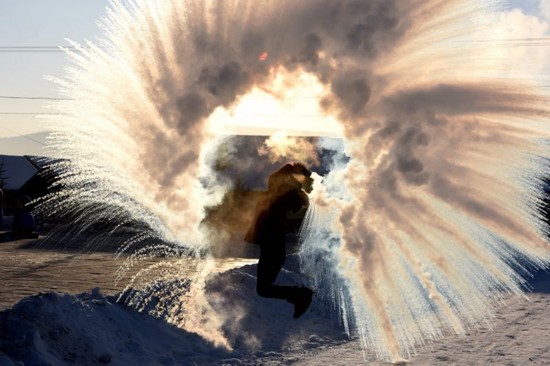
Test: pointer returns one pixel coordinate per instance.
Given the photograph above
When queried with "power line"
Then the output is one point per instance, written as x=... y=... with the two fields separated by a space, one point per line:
x=32 y=114
x=31 y=51
x=27 y=49
x=31 y=98
x=23 y=136
x=55 y=98
x=44 y=49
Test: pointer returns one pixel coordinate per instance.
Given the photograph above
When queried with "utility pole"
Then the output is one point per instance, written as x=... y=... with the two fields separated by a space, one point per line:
x=3 y=177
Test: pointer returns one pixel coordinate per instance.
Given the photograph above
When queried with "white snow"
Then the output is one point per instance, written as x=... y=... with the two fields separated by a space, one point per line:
x=519 y=337
x=91 y=328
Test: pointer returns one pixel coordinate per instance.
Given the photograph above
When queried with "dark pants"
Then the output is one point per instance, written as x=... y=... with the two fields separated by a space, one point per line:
x=270 y=264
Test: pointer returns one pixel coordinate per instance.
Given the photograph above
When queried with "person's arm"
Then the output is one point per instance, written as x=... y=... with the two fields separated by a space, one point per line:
x=298 y=200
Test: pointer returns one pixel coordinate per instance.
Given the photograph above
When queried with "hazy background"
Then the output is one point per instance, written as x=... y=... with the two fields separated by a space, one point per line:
x=31 y=31
x=33 y=24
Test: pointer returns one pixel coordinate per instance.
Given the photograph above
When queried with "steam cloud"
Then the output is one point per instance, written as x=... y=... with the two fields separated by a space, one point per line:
x=441 y=188
x=280 y=146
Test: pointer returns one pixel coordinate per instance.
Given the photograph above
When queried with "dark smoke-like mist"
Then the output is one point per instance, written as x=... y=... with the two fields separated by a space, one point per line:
x=440 y=192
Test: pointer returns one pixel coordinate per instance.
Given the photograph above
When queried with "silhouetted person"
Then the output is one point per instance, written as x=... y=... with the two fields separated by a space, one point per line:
x=23 y=222
x=285 y=193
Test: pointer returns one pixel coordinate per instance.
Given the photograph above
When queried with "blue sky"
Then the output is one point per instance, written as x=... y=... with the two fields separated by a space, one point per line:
x=530 y=6
x=41 y=23
x=49 y=23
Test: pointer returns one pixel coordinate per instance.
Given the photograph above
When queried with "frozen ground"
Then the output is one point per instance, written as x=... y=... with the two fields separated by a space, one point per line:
x=91 y=328
x=28 y=267
x=520 y=336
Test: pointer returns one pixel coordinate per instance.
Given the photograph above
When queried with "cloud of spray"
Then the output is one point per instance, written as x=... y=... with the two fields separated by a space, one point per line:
x=251 y=159
x=441 y=186
x=280 y=146
x=242 y=164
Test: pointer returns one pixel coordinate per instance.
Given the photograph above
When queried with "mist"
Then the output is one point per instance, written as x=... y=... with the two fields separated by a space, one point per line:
x=437 y=195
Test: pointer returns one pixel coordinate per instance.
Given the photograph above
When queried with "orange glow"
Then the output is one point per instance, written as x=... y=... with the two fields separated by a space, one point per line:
x=263 y=56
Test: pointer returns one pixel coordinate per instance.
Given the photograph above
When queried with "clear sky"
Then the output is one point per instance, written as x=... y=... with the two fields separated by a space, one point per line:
x=33 y=23
x=47 y=23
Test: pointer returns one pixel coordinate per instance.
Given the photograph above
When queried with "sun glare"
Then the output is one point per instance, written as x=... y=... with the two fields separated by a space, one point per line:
x=289 y=105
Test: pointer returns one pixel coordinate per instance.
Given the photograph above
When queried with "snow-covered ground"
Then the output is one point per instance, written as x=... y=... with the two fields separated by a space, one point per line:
x=520 y=336
x=92 y=328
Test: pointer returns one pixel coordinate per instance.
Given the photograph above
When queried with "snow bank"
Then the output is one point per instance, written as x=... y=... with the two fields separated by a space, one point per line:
x=91 y=328
x=252 y=323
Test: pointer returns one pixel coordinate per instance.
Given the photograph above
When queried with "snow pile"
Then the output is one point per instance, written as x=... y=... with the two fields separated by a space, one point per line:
x=89 y=328
x=92 y=328
x=252 y=323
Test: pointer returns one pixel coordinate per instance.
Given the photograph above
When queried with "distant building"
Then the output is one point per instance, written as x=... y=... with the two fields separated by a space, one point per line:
x=19 y=177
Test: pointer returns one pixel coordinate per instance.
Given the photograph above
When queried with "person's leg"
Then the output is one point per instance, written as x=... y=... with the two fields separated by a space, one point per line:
x=301 y=301
x=269 y=266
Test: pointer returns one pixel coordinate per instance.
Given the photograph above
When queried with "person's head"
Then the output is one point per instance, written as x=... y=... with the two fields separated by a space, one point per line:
x=299 y=168
x=294 y=175
x=306 y=182
x=303 y=175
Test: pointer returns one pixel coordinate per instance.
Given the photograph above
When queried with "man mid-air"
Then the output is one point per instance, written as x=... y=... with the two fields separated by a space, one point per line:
x=287 y=189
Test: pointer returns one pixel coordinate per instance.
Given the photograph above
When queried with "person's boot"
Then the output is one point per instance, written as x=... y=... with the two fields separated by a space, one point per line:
x=302 y=302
